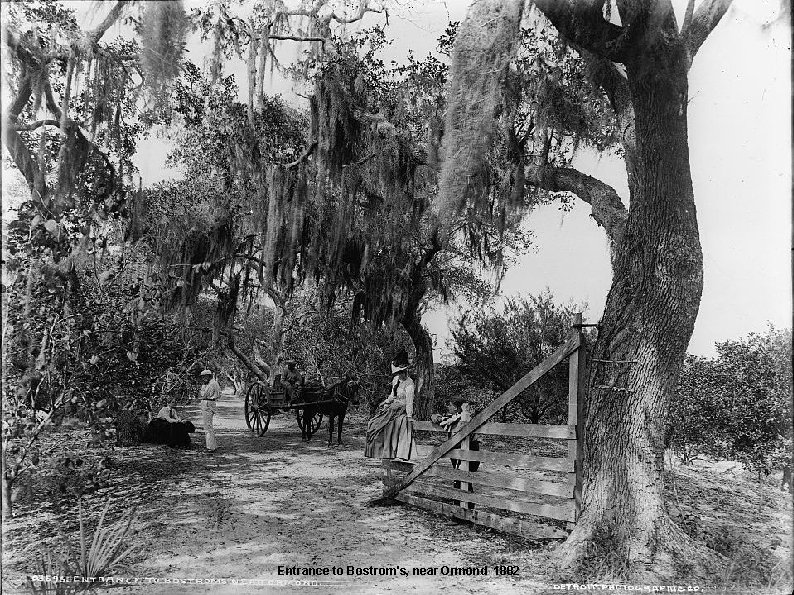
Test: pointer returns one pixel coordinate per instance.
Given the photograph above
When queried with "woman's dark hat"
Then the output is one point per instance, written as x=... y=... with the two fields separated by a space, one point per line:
x=400 y=358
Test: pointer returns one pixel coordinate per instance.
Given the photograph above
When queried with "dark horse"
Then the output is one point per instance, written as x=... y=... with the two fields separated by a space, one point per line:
x=333 y=405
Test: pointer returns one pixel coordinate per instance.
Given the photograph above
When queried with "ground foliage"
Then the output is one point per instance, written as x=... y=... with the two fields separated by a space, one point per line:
x=111 y=359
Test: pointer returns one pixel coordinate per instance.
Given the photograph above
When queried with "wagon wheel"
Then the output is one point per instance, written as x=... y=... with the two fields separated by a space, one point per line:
x=257 y=411
x=316 y=420
x=264 y=420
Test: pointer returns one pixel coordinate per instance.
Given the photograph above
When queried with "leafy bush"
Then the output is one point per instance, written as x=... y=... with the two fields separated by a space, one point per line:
x=737 y=405
x=494 y=349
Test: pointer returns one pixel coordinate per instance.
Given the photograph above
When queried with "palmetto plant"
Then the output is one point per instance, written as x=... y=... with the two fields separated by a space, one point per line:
x=107 y=546
x=105 y=552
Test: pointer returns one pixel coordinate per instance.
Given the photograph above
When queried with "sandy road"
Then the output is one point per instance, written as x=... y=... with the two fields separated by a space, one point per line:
x=260 y=503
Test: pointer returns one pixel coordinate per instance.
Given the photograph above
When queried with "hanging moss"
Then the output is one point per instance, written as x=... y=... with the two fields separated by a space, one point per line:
x=486 y=42
x=164 y=27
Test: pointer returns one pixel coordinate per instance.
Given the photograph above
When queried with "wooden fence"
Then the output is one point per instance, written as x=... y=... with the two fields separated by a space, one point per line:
x=510 y=492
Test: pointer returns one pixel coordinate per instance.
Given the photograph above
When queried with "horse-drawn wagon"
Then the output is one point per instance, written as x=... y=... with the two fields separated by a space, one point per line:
x=310 y=403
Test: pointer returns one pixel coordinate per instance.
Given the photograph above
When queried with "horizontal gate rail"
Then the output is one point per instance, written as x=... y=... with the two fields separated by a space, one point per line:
x=514 y=460
x=526 y=529
x=562 y=512
x=562 y=432
x=562 y=489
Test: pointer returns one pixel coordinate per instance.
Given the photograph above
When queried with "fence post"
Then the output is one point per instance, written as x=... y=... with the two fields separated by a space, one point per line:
x=577 y=384
x=465 y=466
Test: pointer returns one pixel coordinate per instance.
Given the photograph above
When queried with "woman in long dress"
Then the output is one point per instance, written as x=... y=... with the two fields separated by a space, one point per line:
x=390 y=432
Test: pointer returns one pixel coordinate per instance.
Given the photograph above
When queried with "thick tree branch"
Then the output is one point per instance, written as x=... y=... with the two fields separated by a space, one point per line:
x=22 y=52
x=608 y=210
x=582 y=22
x=37 y=124
x=706 y=18
x=94 y=36
x=49 y=96
x=363 y=8
x=297 y=38
x=278 y=297
x=251 y=64
x=22 y=98
x=303 y=156
x=259 y=372
x=24 y=160
x=688 y=14
x=430 y=252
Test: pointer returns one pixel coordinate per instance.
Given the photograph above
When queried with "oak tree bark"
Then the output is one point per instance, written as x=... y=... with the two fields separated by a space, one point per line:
x=423 y=364
x=411 y=321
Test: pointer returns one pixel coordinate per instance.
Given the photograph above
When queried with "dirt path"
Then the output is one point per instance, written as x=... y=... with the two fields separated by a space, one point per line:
x=258 y=503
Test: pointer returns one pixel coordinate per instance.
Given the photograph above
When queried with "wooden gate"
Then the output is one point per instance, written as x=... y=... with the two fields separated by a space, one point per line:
x=511 y=492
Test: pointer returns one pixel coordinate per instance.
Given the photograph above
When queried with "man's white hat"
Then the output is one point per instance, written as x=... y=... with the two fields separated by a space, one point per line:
x=206 y=372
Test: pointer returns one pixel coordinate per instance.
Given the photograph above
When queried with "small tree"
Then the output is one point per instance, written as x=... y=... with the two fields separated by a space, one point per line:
x=494 y=349
x=697 y=415
x=737 y=405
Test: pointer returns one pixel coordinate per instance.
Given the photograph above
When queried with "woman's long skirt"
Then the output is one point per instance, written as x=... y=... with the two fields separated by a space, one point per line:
x=390 y=436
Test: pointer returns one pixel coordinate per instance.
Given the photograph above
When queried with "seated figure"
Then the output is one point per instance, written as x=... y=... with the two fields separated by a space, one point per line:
x=168 y=428
x=291 y=380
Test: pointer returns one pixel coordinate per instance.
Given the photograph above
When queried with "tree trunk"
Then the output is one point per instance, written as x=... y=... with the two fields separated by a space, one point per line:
x=423 y=364
x=8 y=502
x=649 y=318
x=225 y=309
x=277 y=338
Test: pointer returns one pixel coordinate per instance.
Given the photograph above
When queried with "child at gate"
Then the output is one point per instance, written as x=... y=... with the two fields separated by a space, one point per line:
x=448 y=419
x=458 y=414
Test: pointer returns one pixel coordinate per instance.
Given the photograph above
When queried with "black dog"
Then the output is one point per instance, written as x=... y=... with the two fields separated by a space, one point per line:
x=162 y=431
x=333 y=405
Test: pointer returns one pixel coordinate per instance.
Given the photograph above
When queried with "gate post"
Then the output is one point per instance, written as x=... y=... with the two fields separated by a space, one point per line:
x=465 y=466
x=577 y=386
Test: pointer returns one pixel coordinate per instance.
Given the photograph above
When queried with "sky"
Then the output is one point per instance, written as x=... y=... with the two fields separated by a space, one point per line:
x=740 y=155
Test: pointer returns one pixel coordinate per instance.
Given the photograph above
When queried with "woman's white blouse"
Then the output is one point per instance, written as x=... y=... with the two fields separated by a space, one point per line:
x=405 y=395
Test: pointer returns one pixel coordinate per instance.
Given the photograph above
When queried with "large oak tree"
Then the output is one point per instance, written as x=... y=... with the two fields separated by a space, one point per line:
x=641 y=66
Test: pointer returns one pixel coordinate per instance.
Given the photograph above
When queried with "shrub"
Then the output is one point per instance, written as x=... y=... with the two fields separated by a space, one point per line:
x=494 y=349
x=737 y=405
